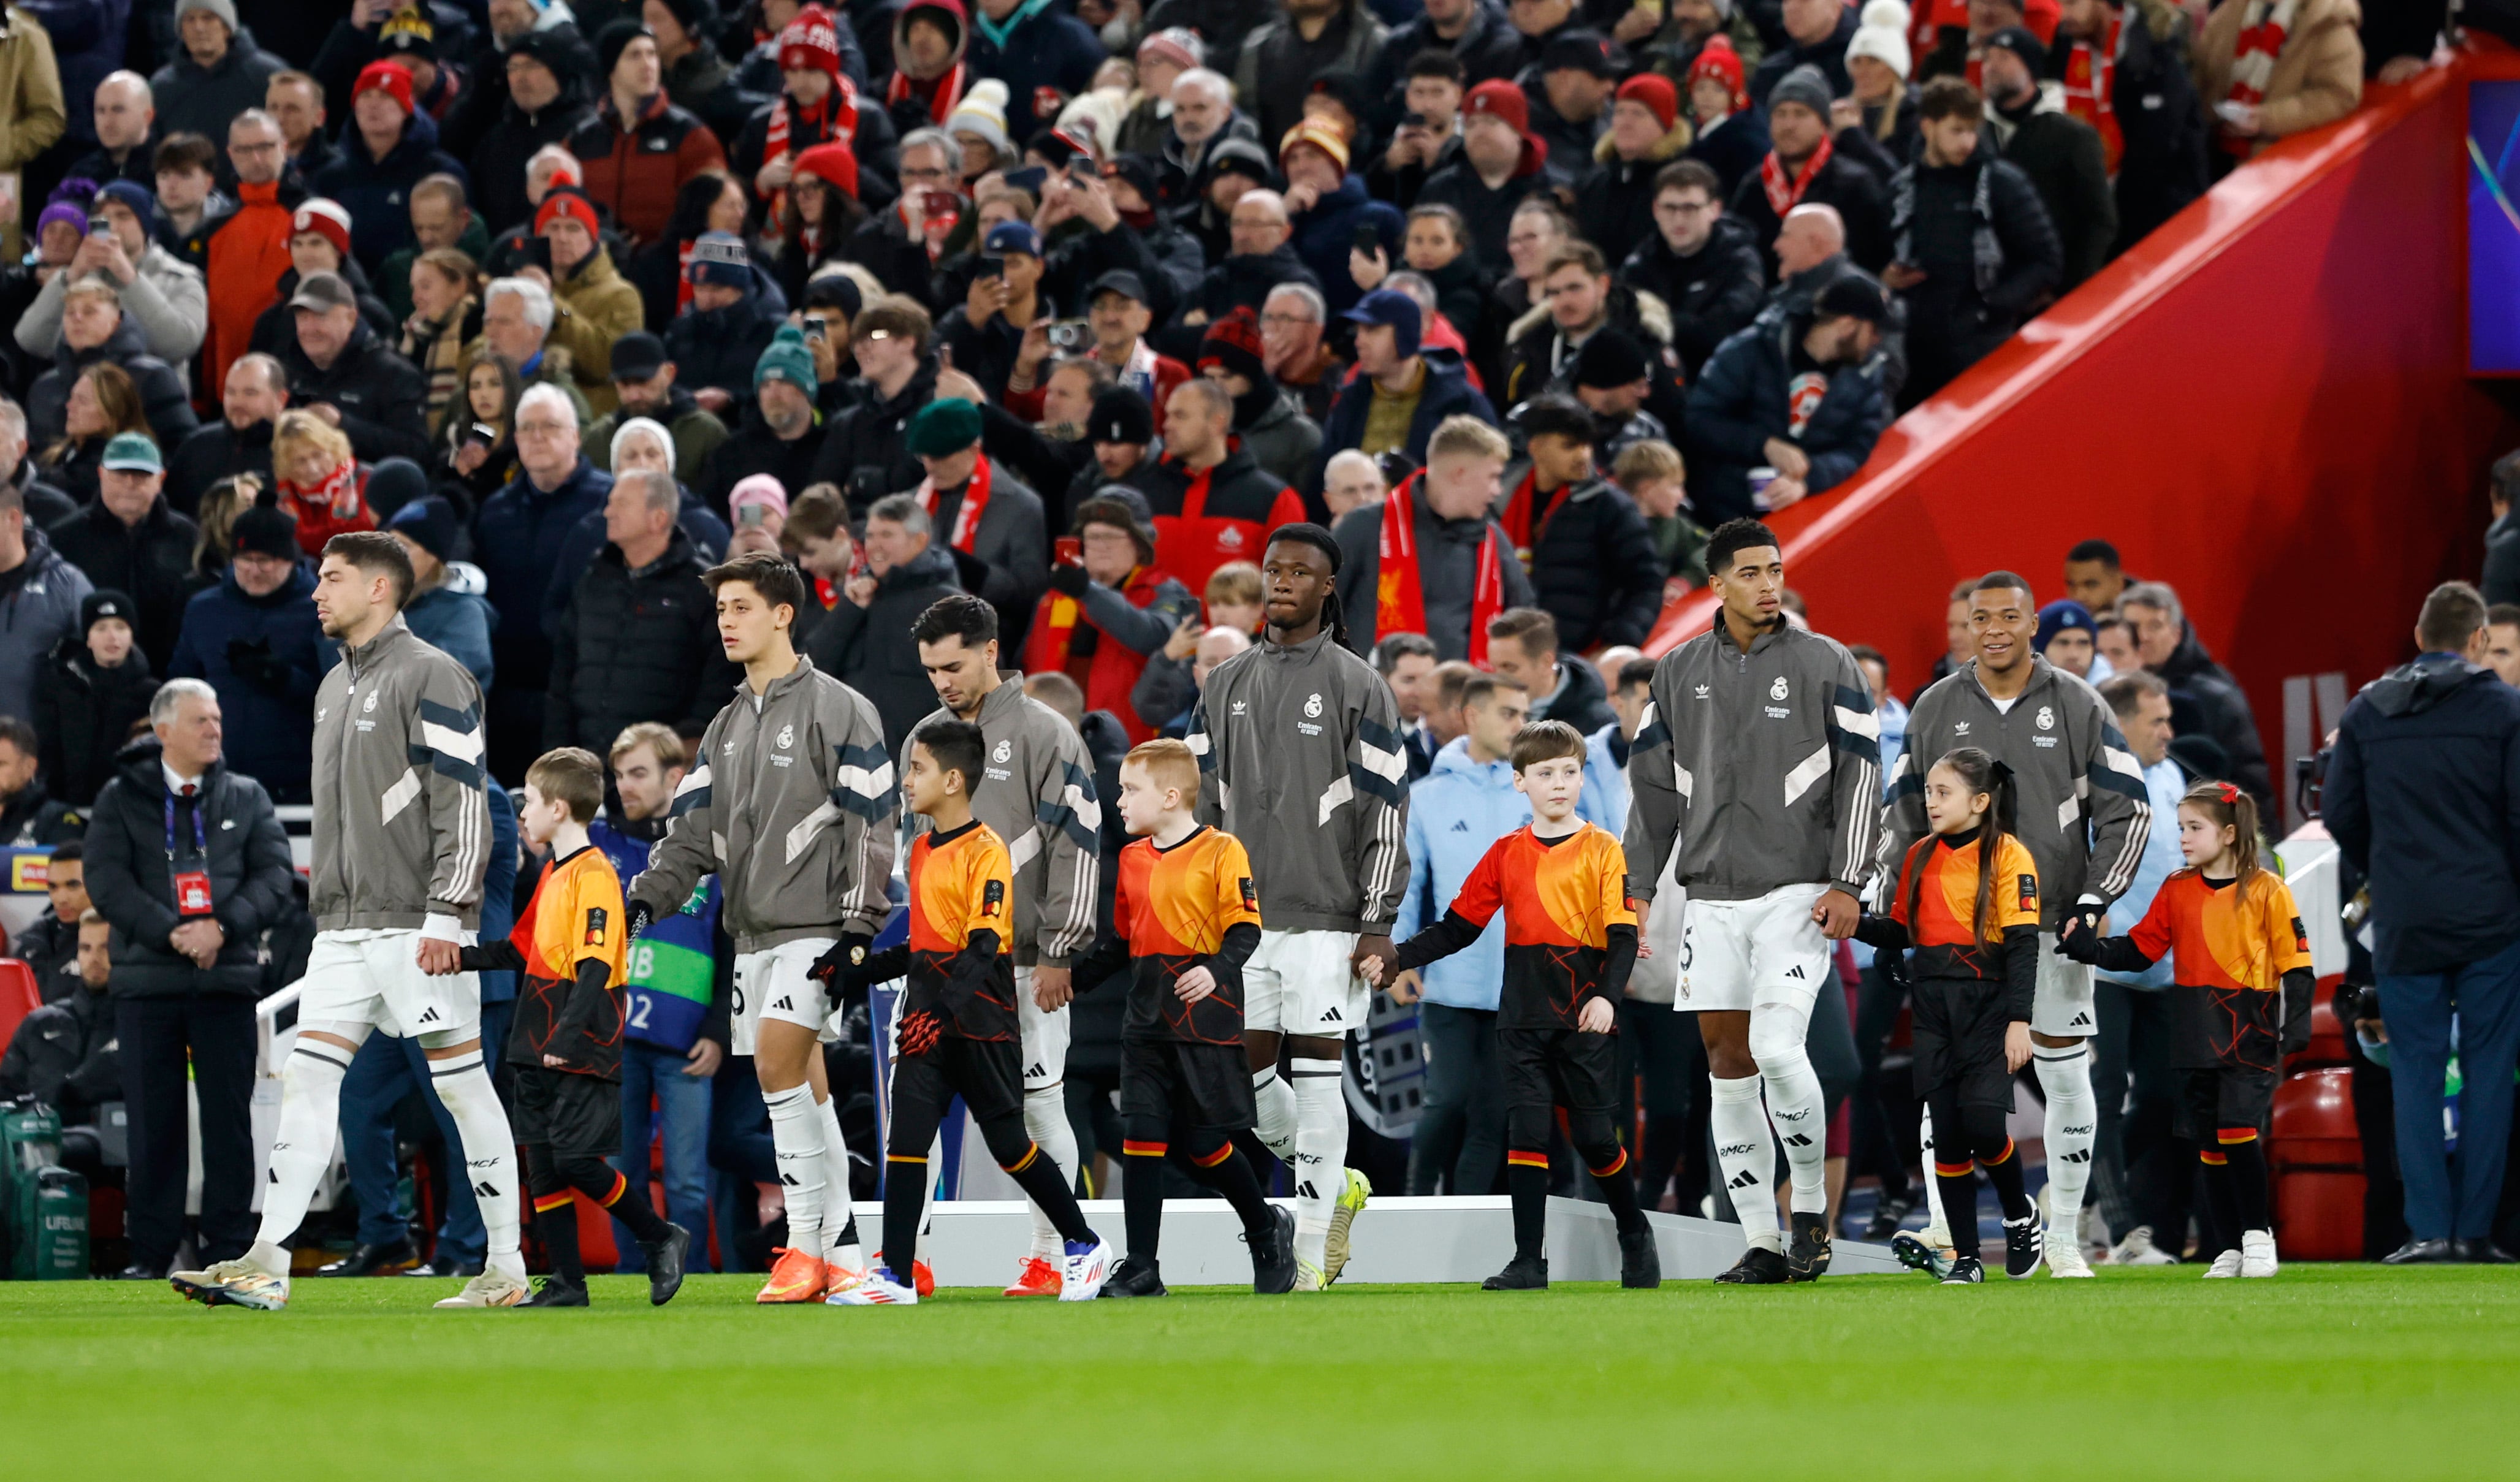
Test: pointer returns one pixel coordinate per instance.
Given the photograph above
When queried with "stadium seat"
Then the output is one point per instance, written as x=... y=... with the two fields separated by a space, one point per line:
x=2319 y=1215
x=18 y=996
x=2326 y=1031
x=2314 y=1126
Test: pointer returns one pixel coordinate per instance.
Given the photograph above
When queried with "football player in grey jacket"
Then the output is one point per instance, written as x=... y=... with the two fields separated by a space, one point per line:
x=2084 y=815
x=402 y=840
x=790 y=802
x=1299 y=747
x=1760 y=761
x=1038 y=796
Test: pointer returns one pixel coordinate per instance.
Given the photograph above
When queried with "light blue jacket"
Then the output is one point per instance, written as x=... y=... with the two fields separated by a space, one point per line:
x=1604 y=800
x=1455 y=813
x=2166 y=785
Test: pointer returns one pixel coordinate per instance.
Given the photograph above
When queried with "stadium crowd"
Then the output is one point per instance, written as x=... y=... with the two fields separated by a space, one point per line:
x=1062 y=305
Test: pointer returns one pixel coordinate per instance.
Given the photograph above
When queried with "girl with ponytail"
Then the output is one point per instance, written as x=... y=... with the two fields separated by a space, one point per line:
x=2241 y=989
x=1966 y=904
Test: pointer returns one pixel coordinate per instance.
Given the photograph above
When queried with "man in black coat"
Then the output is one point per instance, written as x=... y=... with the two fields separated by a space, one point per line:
x=379 y=399
x=1797 y=172
x=2061 y=154
x=239 y=441
x=1817 y=34
x=1474 y=31
x=637 y=639
x=66 y=1054
x=865 y=640
x=1702 y=264
x=1524 y=647
x=535 y=103
x=2204 y=698
x=129 y=541
x=1262 y=258
x=187 y=900
x=92 y=691
x=864 y=453
x=1976 y=252
x=2423 y=796
x=1584 y=542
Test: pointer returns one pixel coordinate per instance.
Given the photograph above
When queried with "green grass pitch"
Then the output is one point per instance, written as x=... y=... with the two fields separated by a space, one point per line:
x=2328 y=1372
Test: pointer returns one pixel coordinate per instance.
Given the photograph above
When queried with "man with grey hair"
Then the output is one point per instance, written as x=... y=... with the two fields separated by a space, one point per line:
x=637 y=638
x=187 y=860
x=893 y=245
x=1292 y=321
x=517 y=540
x=2205 y=700
x=517 y=318
x=345 y=373
x=865 y=640
x=1204 y=113
x=1260 y=257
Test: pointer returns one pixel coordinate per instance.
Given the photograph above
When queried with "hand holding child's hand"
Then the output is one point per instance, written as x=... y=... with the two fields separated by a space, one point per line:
x=1370 y=970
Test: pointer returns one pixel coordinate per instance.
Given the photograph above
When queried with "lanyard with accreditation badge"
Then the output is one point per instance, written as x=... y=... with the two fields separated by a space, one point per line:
x=192 y=886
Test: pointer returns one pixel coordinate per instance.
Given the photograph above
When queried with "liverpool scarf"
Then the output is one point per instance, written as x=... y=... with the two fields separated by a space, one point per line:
x=1784 y=195
x=975 y=503
x=2091 y=87
x=941 y=95
x=1399 y=598
x=2263 y=29
x=1517 y=518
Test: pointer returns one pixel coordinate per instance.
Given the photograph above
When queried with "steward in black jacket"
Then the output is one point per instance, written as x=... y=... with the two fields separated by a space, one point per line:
x=634 y=646
x=131 y=881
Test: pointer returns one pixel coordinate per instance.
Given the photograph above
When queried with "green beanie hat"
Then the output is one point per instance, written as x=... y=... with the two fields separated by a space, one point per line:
x=788 y=359
x=943 y=427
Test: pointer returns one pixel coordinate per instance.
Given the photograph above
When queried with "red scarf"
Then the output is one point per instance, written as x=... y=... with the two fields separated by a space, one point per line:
x=2090 y=88
x=942 y=94
x=1784 y=195
x=1105 y=669
x=2263 y=29
x=975 y=503
x=1516 y=519
x=683 y=275
x=835 y=117
x=1400 y=602
x=336 y=504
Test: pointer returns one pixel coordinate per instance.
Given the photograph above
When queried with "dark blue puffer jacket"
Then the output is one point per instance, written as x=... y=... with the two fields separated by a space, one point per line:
x=517 y=541
x=1325 y=234
x=270 y=725
x=376 y=193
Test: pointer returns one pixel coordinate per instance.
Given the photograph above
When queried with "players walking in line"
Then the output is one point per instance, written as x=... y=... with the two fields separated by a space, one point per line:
x=1570 y=941
x=1038 y=795
x=2083 y=816
x=791 y=803
x=1301 y=758
x=958 y=1033
x=2240 y=998
x=1966 y=901
x=570 y=946
x=402 y=837
x=1760 y=760
x=1186 y=917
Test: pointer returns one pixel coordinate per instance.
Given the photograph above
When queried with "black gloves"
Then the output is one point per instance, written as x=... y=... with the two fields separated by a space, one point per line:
x=253 y=661
x=640 y=919
x=2079 y=941
x=1067 y=580
x=836 y=968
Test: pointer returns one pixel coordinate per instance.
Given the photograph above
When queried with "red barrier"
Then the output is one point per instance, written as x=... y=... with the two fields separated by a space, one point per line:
x=2263 y=403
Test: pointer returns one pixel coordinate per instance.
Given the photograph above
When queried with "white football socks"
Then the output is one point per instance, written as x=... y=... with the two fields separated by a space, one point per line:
x=797 y=1136
x=310 y=1118
x=2072 y=1129
x=839 y=1221
x=1044 y=1114
x=463 y=1085
x=1746 y=1157
x=1320 y=1154
x=1275 y=1124
x=1938 y=1228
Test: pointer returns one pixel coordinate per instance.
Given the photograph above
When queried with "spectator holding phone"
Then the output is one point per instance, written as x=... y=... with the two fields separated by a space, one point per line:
x=477 y=448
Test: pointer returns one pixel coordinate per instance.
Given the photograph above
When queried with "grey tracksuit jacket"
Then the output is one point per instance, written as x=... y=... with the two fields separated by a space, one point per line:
x=402 y=823
x=1764 y=768
x=1300 y=757
x=791 y=803
x=1038 y=795
x=2083 y=809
